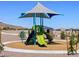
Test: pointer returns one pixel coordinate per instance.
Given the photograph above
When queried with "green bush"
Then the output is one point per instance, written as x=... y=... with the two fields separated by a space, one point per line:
x=1 y=48
x=50 y=38
x=22 y=35
x=72 y=41
x=71 y=49
x=62 y=35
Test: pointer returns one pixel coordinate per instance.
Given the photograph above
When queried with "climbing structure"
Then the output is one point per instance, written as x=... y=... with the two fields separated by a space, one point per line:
x=41 y=12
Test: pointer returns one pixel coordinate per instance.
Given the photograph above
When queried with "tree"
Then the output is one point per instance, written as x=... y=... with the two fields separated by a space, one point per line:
x=1 y=48
x=71 y=49
x=77 y=42
x=1 y=45
x=62 y=35
x=22 y=36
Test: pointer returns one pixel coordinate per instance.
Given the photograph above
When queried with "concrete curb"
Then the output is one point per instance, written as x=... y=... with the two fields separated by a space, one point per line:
x=32 y=51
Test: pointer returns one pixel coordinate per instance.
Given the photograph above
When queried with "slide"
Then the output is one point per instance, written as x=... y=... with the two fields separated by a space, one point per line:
x=41 y=40
x=31 y=35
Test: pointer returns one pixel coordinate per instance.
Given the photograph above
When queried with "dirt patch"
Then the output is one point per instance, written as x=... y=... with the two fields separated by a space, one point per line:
x=58 y=45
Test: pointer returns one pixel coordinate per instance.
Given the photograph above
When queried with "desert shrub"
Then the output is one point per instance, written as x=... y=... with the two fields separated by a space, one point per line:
x=71 y=49
x=49 y=37
x=1 y=48
x=72 y=41
x=22 y=35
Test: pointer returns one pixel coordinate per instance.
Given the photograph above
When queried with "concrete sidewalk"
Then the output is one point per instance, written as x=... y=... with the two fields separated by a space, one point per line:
x=18 y=54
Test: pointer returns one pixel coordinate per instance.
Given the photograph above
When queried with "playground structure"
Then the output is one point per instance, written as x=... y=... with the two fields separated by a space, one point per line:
x=41 y=38
x=38 y=33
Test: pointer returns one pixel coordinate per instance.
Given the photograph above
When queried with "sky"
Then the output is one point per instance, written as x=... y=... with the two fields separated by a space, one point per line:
x=11 y=11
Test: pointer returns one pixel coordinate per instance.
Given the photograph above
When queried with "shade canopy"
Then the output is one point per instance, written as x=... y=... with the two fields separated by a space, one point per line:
x=40 y=11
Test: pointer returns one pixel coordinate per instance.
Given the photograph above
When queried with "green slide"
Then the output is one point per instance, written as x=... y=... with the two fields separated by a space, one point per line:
x=41 y=40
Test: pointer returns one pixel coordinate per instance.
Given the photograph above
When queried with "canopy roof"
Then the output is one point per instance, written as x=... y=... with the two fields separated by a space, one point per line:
x=40 y=11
